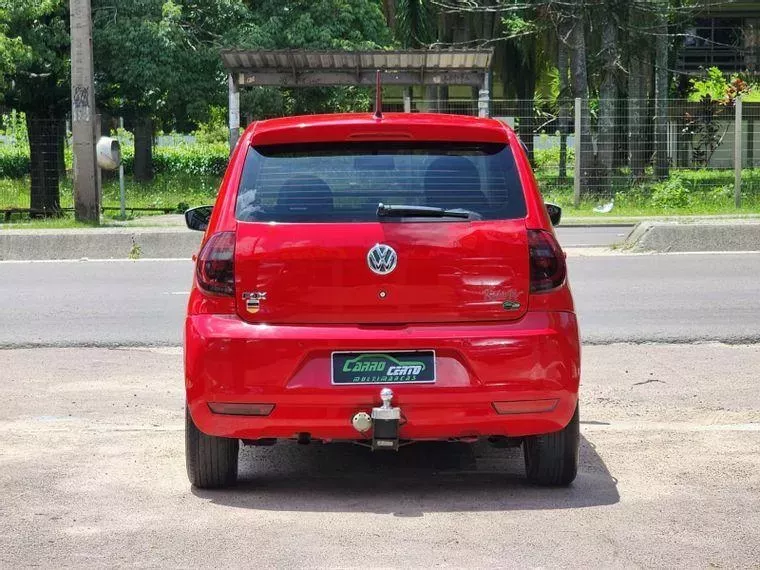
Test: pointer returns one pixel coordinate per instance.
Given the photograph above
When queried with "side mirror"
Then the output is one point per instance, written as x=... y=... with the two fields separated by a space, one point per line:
x=555 y=213
x=198 y=218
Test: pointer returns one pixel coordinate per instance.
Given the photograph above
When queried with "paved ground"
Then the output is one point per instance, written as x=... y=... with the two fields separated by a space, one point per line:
x=631 y=298
x=92 y=473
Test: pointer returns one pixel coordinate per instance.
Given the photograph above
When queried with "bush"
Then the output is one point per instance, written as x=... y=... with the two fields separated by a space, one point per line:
x=14 y=161
x=670 y=194
x=197 y=159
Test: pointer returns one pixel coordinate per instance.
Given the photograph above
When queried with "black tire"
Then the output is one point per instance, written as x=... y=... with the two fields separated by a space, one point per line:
x=212 y=462
x=552 y=459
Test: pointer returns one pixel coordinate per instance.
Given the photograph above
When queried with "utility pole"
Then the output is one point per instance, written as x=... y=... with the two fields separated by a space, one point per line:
x=83 y=119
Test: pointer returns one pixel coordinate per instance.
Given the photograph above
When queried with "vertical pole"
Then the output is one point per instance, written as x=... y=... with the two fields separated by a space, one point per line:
x=738 y=154
x=577 y=162
x=407 y=99
x=234 y=103
x=86 y=191
x=484 y=96
x=122 y=191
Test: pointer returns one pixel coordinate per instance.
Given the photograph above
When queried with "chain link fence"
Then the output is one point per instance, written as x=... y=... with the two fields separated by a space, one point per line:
x=591 y=157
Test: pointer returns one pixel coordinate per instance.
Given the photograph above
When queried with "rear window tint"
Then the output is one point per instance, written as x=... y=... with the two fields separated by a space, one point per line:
x=344 y=182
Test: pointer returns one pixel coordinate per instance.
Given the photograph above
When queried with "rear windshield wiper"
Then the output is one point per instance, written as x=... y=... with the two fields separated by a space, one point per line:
x=406 y=211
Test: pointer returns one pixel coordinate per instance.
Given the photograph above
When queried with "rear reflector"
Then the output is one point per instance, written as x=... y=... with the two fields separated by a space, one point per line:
x=241 y=409
x=525 y=406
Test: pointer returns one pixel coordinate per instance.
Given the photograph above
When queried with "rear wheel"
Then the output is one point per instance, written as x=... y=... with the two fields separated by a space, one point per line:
x=212 y=462
x=552 y=459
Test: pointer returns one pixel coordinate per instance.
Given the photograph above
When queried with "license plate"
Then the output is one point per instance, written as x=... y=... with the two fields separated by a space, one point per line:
x=391 y=367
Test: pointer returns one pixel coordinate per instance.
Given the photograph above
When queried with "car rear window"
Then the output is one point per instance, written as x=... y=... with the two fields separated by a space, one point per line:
x=345 y=182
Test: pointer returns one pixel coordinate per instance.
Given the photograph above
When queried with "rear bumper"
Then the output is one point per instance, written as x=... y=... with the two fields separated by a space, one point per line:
x=535 y=358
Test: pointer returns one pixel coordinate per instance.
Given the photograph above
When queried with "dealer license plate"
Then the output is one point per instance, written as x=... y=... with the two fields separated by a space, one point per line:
x=391 y=367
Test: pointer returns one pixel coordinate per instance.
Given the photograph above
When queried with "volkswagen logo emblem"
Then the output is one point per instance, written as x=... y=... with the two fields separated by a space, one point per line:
x=382 y=259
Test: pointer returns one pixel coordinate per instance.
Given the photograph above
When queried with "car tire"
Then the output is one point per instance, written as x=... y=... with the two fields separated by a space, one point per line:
x=552 y=459
x=212 y=462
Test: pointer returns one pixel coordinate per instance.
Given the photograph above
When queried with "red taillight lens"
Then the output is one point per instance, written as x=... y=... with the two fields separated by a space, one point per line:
x=215 y=270
x=547 y=262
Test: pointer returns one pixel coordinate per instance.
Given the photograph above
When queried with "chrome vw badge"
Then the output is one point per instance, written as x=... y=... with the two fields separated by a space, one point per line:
x=382 y=259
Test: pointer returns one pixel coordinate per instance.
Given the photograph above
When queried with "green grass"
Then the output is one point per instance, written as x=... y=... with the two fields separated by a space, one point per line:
x=684 y=193
x=166 y=191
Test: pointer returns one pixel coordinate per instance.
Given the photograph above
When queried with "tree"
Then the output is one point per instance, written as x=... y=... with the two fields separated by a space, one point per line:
x=309 y=24
x=608 y=92
x=662 y=88
x=39 y=85
x=157 y=62
x=416 y=28
x=11 y=49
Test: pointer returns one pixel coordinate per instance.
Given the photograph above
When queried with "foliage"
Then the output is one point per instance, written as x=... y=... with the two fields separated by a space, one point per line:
x=670 y=194
x=182 y=160
x=309 y=24
x=159 y=58
x=313 y=24
x=37 y=31
x=14 y=160
x=715 y=85
x=415 y=23
x=215 y=130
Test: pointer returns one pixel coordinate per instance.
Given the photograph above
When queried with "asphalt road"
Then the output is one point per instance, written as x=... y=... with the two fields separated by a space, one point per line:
x=630 y=298
x=92 y=472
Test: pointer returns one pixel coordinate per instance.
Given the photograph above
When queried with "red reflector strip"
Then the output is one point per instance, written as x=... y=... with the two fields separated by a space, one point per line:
x=241 y=409
x=525 y=406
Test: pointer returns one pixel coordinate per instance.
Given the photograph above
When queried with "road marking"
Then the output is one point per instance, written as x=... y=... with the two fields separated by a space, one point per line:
x=177 y=293
x=87 y=260
x=606 y=252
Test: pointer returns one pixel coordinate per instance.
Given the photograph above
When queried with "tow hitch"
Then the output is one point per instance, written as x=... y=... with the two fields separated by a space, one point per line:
x=384 y=423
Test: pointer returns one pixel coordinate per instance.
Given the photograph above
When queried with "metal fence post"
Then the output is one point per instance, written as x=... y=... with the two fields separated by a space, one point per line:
x=577 y=162
x=738 y=154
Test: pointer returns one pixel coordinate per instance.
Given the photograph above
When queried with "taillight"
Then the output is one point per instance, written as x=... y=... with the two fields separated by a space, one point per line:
x=547 y=262
x=215 y=270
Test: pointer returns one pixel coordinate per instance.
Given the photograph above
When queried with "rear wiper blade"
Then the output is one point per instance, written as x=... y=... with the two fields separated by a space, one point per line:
x=403 y=210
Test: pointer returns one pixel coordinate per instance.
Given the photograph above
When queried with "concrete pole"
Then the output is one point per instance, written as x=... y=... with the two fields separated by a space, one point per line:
x=738 y=148
x=83 y=123
x=122 y=190
x=407 y=99
x=484 y=96
x=234 y=110
x=578 y=151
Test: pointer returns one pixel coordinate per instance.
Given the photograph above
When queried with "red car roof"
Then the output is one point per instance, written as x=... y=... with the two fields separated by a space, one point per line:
x=365 y=127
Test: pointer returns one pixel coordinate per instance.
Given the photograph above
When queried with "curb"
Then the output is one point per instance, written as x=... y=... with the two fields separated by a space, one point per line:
x=715 y=236
x=100 y=243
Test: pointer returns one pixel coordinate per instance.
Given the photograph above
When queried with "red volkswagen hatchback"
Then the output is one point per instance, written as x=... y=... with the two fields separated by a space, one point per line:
x=382 y=280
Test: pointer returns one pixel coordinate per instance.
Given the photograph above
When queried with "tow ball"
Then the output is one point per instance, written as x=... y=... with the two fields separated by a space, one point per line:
x=384 y=423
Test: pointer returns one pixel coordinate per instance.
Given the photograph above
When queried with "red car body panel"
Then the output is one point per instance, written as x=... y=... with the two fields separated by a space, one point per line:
x=321 y=298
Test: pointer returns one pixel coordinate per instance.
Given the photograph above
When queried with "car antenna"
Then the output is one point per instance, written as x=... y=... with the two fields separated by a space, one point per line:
x=378 y=96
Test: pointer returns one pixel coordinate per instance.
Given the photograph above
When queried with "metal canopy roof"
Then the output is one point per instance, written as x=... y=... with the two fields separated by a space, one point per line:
x=290 y=68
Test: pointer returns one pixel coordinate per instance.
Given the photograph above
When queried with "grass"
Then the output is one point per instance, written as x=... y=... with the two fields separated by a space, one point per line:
x=166 y=192
x=685 y=193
